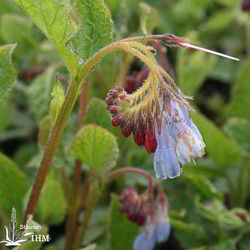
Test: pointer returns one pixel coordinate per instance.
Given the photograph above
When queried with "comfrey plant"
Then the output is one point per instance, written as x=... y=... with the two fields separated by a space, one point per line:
x=157 y=114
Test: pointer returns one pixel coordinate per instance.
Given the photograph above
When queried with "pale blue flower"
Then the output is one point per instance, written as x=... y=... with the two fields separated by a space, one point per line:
x=178 y=143
x=147 y=240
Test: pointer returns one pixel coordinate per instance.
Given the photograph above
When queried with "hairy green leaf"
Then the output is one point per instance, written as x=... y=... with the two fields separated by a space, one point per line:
x=98 y=114
x=149 y=18
x=90 y=247
x=204 y=186
x=190 y=235
x=238 y=129
x=13 y=186
x=216 y=212
x=56 y=102
x=240 y=99
x=39 y=93
x=192 y=68
x=54 y=19
x=223 y=151
x=96 y=147
x=51 y=207
x=7 y=72
x=95 y=28
x=33 y=245
x=17 y=29
x=122 y=231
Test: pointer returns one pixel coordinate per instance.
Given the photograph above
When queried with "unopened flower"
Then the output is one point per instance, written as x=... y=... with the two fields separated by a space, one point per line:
x=156 y=229
x=134 y=205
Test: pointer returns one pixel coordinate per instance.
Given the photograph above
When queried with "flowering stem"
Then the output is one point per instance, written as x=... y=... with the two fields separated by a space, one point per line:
x=141 y=172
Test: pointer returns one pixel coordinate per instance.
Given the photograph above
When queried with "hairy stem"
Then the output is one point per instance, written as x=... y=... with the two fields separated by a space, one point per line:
x=141 y=172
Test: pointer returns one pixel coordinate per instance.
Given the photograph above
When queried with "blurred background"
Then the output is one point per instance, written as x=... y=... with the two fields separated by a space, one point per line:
x=209 y=204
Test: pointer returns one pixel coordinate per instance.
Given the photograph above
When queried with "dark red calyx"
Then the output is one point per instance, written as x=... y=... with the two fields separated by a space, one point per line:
x=126 y=131
x=116 y=122
x=139 y=136
x=150 y=143
x=134 y=206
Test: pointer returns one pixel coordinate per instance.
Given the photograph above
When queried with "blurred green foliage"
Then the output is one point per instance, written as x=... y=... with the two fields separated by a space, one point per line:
x=209 y=204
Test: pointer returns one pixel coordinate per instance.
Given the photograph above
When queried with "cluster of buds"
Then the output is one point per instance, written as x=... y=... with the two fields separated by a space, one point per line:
x=118 y=102
x=152 y=214
x=135 y=206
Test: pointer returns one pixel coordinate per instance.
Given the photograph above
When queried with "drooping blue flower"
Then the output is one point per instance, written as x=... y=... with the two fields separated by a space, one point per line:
x=178 y=143
x=147 y=240
x=157 y=227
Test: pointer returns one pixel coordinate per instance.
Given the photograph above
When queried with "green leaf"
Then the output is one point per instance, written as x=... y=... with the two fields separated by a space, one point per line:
x=51 y=207
x=122 y=231
x=13 y=186
x=240 y=97
x=95 y=28
x=217 y=213
x=39 y=93
x=149 y=18
x=223 y=151
x=218 y=22
x=99 y=115
x=56 y=102
x=33 y=245
x=96 y=147
x=54 y=19
x=7 y=72
x=204 y=186
x=227 y=244
x=190 y=235
x=90 y=247
x=245 y=242
x=17 y=29
x=238 y=129
x=193 y=68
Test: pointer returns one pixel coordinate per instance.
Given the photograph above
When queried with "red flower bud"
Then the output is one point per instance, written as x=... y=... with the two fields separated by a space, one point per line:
x=150 y=143
x=116 y=122
x=126 y=131
x=139 y=136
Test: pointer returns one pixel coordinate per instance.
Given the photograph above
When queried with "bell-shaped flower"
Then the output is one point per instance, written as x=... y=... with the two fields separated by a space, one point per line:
x=166 y=164
x=156 y=229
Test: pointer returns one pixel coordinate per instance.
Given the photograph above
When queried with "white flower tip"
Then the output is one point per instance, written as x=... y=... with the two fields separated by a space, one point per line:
x=187 y=45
